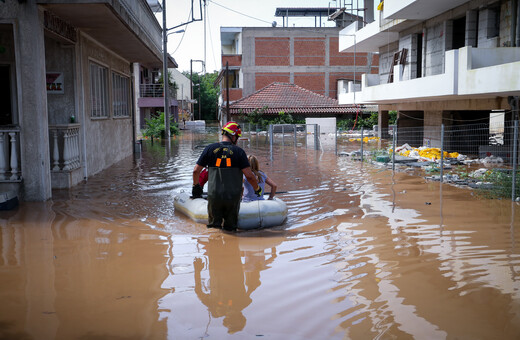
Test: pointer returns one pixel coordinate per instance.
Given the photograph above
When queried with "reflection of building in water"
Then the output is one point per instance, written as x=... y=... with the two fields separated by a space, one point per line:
x=230 y=282
x=64 y=277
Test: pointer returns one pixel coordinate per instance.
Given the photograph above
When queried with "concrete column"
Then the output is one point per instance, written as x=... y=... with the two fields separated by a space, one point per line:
x=136 y=70
x=432 y=128
x=369 y=11
x=471 y=28
x=34 y=139
x=382 y=124
x=291 y=58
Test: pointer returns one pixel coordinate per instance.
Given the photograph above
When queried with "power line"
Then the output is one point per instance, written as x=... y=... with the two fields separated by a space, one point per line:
x=232 y=10
x=211 y=41
x=183 y=34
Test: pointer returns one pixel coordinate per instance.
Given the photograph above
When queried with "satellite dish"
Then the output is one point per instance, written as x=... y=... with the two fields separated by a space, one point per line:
x=274 y=24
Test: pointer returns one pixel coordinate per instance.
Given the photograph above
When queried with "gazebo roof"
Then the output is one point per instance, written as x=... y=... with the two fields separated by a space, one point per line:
x=289 y=98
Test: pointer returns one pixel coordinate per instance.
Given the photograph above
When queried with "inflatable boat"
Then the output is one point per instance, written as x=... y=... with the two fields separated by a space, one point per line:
x=252 y=215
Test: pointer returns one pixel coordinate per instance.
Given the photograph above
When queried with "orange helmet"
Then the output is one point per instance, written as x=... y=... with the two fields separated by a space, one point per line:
x=232 y=128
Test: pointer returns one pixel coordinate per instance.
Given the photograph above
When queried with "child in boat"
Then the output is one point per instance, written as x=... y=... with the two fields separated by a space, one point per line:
x=249 y=193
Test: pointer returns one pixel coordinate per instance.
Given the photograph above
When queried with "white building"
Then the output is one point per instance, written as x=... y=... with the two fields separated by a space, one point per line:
x=70 y=77
x=183 y=88
x=439 y=61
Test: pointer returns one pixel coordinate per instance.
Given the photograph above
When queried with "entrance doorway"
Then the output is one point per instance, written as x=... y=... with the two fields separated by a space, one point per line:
x=6 y=116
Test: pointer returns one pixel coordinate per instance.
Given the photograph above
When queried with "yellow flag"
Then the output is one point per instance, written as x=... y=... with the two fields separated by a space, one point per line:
x=380 y=6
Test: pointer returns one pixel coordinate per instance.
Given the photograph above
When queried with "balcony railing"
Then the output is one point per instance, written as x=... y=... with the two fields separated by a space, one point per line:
x=64 y=147
x=156 y=91
x=10 y=167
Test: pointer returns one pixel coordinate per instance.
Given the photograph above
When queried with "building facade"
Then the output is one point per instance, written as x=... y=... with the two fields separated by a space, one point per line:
x=305 y=56
x=442 y=62
x=69 y=88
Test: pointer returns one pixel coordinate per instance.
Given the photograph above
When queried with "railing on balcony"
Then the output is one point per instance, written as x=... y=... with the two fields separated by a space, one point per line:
x=10 y=167
x=156 y=90
x=64 y=147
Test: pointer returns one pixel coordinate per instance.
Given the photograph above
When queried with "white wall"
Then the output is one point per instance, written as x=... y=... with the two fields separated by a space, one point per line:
x=327 y=125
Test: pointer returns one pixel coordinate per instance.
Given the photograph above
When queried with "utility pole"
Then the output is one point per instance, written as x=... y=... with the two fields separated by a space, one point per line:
x=200 y=90
x=228 y=116
x=191 y=79
x=165 y=76
x=205 y=19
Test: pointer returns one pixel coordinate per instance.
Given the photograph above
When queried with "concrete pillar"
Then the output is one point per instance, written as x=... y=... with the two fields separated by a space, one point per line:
x=33 y=104
x=432 y=128
x=471 y=28
x=382 y=124
x=136 y=70
x=369 y=11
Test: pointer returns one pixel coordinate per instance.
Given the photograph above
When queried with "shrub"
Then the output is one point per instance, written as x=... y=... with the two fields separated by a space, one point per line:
x=155 y=127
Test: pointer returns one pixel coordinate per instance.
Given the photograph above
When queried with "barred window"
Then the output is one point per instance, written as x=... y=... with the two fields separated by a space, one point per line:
x=98 y=91
x=120 y=97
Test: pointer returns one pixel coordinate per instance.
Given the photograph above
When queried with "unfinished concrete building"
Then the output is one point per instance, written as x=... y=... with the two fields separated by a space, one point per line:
x=440 y=62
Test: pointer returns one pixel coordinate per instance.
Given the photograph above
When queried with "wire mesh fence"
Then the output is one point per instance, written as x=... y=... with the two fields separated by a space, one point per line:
x=482 y=156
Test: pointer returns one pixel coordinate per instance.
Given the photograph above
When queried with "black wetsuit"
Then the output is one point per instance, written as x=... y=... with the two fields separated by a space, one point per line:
x=225 y=162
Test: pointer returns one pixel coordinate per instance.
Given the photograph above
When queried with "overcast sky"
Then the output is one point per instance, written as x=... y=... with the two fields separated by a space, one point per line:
x=223 y=13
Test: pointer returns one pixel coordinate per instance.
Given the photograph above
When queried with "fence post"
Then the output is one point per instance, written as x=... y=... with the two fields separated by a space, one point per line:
x=394 y=133
x=362 y=132
x=271 y=140
x=295 y=127
x=315 y=136
x=336 y=139
x=515 y=143
x=442 y=152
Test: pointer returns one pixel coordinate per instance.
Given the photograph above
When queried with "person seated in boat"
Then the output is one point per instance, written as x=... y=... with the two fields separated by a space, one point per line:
x=249 y=194
x=203 y=177
x=226 y=163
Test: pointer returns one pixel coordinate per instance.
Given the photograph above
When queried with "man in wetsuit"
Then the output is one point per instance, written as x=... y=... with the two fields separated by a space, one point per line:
x=226 y=164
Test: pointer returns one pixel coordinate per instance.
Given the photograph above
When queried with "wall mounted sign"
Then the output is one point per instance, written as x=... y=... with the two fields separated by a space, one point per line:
x=55 y=82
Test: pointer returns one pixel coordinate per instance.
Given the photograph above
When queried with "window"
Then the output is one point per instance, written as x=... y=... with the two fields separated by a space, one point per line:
x=98 y=91
x=120 y=95
x=233 y=79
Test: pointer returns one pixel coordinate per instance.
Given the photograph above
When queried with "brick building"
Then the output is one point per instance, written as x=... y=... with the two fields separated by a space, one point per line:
x=305 y=56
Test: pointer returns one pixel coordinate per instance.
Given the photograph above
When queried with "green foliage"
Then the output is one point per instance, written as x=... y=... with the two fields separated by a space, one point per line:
x=155 y=127
x=258 y=117
x=208 y=95
x=367 y=122
x=392 y=117
x=502 y=184
x=282 y=118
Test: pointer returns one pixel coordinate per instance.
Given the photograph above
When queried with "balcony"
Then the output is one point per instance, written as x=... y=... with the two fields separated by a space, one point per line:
x=10 y=166
x=367 y=39
x=471 y=72
x=234 y=60
x=489 y=71
x=65 y=155
x=418 y=9
x=156 y=91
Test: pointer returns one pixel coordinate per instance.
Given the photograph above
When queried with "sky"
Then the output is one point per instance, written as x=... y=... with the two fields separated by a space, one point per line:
x=189 y=44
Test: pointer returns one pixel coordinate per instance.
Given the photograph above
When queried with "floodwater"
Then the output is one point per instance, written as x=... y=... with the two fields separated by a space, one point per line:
x=365 y=254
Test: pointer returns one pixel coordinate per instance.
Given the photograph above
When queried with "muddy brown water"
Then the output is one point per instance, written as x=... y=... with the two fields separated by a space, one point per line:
x=365 y=254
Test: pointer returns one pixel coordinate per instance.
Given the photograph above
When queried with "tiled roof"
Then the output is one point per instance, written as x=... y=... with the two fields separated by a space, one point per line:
x=289 y=98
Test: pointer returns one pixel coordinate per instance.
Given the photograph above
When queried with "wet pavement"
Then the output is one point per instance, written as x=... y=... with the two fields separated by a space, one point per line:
x=365 y=254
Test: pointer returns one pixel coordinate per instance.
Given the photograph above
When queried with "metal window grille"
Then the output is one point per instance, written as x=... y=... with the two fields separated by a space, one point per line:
x=98 y=91
x=120 y=95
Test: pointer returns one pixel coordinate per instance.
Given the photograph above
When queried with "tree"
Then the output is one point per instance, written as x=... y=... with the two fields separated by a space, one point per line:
x=208 y=94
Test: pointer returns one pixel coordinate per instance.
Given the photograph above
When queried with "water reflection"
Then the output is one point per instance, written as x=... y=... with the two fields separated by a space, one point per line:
x=361 y=256
x=231 y=282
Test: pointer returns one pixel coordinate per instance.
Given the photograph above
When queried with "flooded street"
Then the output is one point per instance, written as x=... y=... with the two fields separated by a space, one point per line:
x=365 y=254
